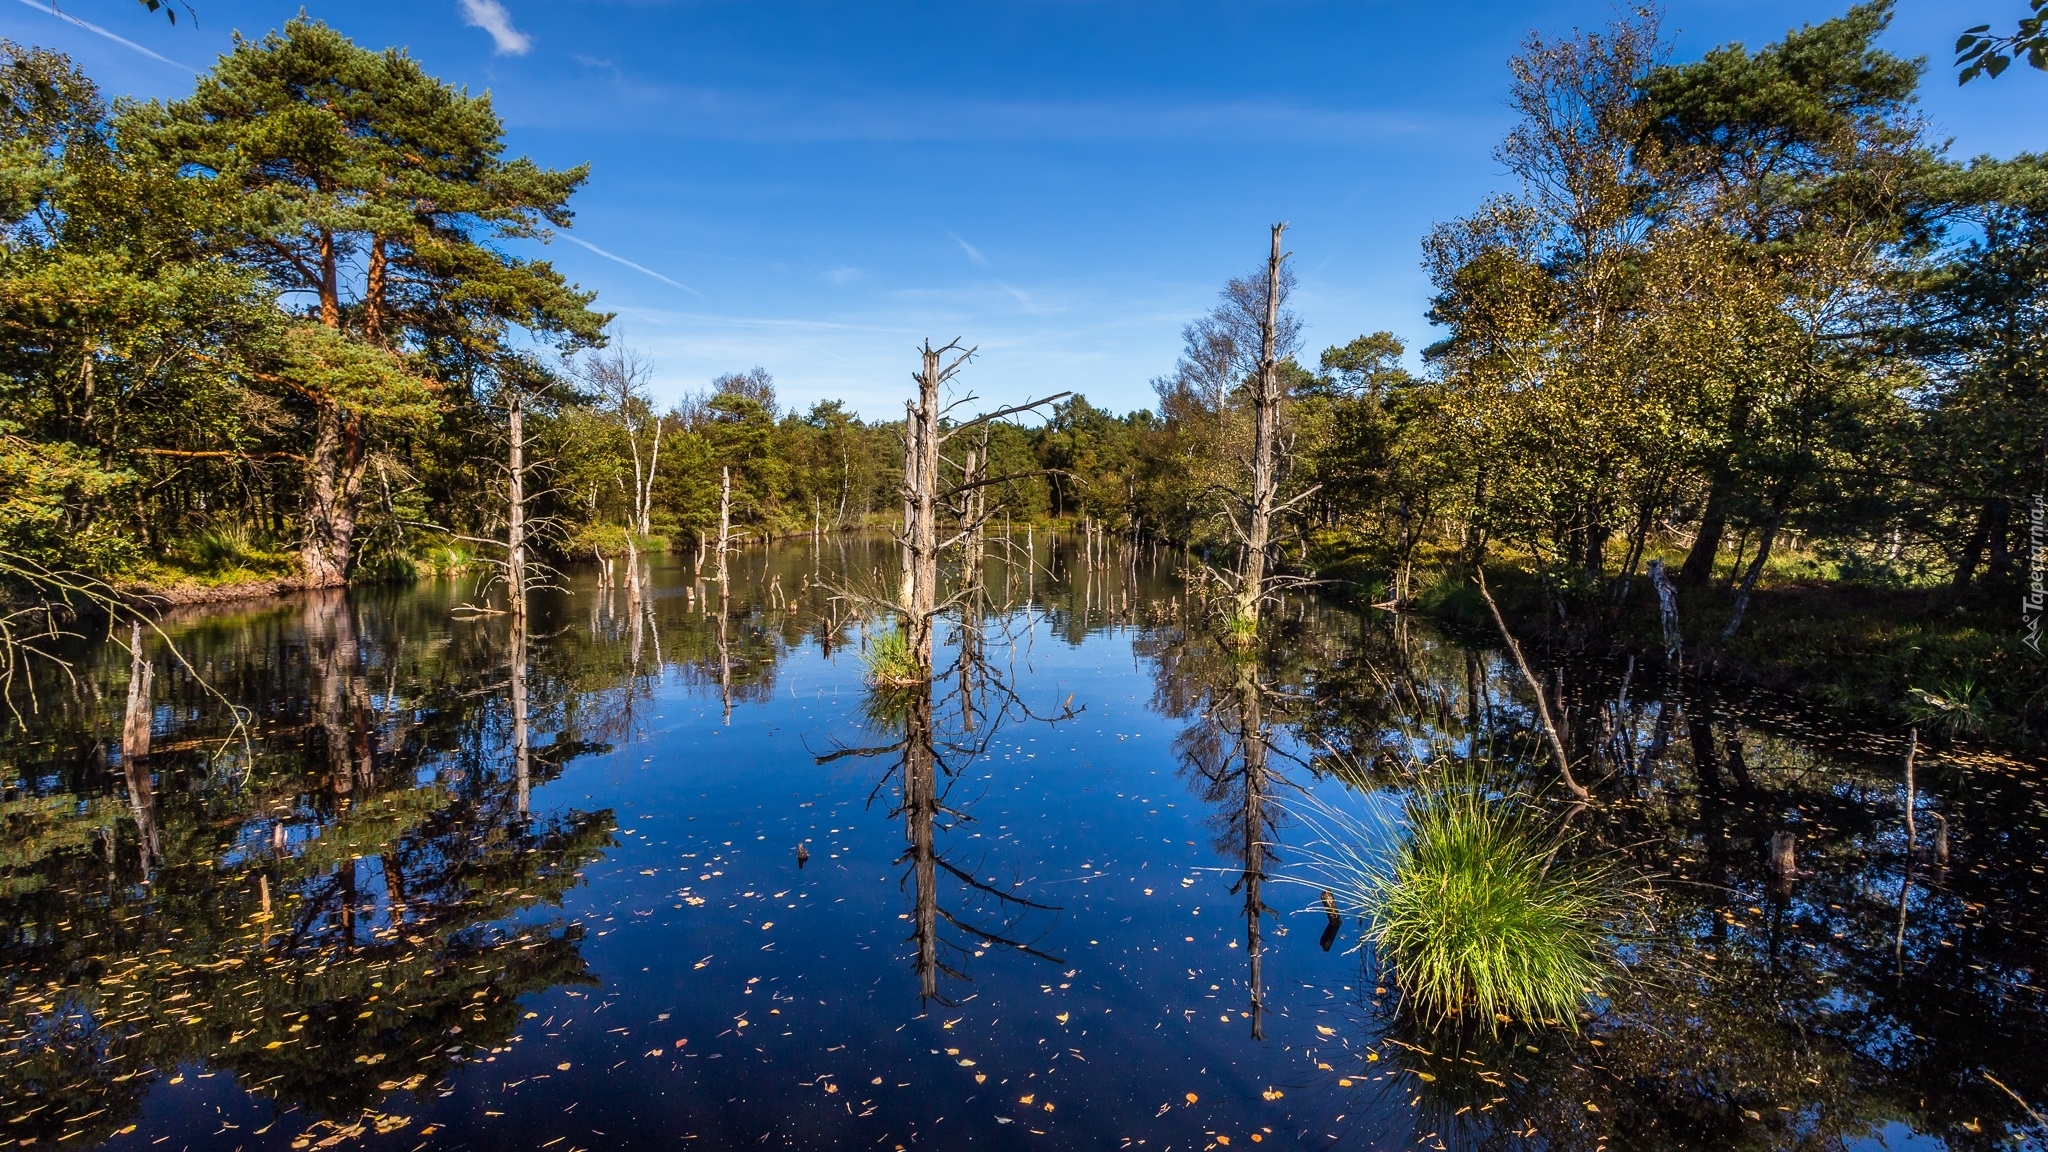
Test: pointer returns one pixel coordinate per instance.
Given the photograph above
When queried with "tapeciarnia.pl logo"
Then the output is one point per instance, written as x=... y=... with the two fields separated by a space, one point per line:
x=2037 y=571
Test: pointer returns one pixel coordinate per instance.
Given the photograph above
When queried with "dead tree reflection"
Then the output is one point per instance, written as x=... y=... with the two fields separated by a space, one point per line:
x=943 y=727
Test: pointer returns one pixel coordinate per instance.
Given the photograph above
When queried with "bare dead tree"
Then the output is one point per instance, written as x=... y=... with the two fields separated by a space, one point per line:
x=620 y=376
x=724 y=527
x=1262 y=502
x=515 y=523
x=925 y=433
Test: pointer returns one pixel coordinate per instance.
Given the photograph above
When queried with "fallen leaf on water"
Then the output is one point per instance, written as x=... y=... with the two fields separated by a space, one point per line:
x=1326 y=1030
x=1272 y=1093
x=967 y=1063
x=1192 y=1097
x=562 y=1067
x=1062 y=1017
x=1344 y=1082
x=1027 y=1099
x=1427 y=1078
x=831 y=1088
x=1048 y=1105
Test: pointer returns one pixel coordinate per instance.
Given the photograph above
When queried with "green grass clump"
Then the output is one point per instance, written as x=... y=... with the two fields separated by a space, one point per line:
x=889 y=661
x=1477 y=914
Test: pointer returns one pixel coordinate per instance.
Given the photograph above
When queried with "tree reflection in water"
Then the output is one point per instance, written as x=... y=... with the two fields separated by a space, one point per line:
x=349 y=913
x=941 y=728
x=1877 y=986
x=340 y=913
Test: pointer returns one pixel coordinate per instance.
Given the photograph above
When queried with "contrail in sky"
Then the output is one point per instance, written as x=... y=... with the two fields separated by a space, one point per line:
x=601 y=252
x=99 y=31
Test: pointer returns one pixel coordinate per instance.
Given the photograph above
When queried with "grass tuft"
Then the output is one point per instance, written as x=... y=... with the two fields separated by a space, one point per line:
x=889 y=661
x=1478 y=913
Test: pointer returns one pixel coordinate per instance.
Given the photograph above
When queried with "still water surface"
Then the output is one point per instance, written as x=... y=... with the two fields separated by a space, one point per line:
x=723 y=895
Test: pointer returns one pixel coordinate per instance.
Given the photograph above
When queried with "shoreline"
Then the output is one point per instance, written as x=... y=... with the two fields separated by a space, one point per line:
x=196 y=595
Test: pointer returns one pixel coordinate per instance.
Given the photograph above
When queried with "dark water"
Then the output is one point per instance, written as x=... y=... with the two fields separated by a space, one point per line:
x=1046 y=902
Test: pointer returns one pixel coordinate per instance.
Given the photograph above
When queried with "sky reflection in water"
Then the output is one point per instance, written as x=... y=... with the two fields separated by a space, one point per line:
x=1021 y=921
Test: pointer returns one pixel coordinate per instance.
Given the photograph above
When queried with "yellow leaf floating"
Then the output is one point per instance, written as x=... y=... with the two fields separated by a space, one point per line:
x=1326 y=1030
x=1192 y=1097
x=1062 y=1017
x=1272 y=1093
x=980 y=1077
x=1027 y=1099
x=1426 y=1077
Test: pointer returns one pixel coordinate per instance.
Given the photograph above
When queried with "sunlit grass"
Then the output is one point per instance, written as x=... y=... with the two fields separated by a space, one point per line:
x=889 y=661
x=1476 y=915
x=1477 y=906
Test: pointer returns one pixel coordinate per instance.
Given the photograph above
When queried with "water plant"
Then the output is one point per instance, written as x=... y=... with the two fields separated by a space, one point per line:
x=1478 y=913
x=1480 y=908
x=889 y=661
x=1957 y=705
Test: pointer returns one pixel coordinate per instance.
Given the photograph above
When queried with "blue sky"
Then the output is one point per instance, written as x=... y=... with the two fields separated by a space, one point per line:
x=815 y=187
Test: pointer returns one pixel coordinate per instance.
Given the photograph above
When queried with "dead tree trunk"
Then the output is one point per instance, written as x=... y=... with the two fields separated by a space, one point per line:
x=724 y=524
x=646 y=508
x=1667 y=606
x=1265 y=479
x=920 y=592
x=515 y=531
x=135 y=749
x=521 y=738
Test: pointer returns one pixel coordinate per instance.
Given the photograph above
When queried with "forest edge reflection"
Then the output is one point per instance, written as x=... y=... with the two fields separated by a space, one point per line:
x=383 y=817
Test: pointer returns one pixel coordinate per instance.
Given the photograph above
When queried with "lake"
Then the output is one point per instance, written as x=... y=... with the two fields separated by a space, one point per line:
x=686 y=881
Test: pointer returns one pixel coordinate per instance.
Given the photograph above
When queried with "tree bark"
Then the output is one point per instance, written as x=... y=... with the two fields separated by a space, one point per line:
x=334 y=484
x=724 y=524
x=1251 y=588
x=515 y=531
x=1749 y=578
x=1706 y=547
x=920 y=528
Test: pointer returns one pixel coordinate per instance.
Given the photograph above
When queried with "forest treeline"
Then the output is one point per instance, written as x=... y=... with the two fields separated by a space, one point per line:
x=1743 y=313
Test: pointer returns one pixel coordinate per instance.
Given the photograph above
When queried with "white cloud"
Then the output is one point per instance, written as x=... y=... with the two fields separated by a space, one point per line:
x=973 y=253
x=491 y=16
